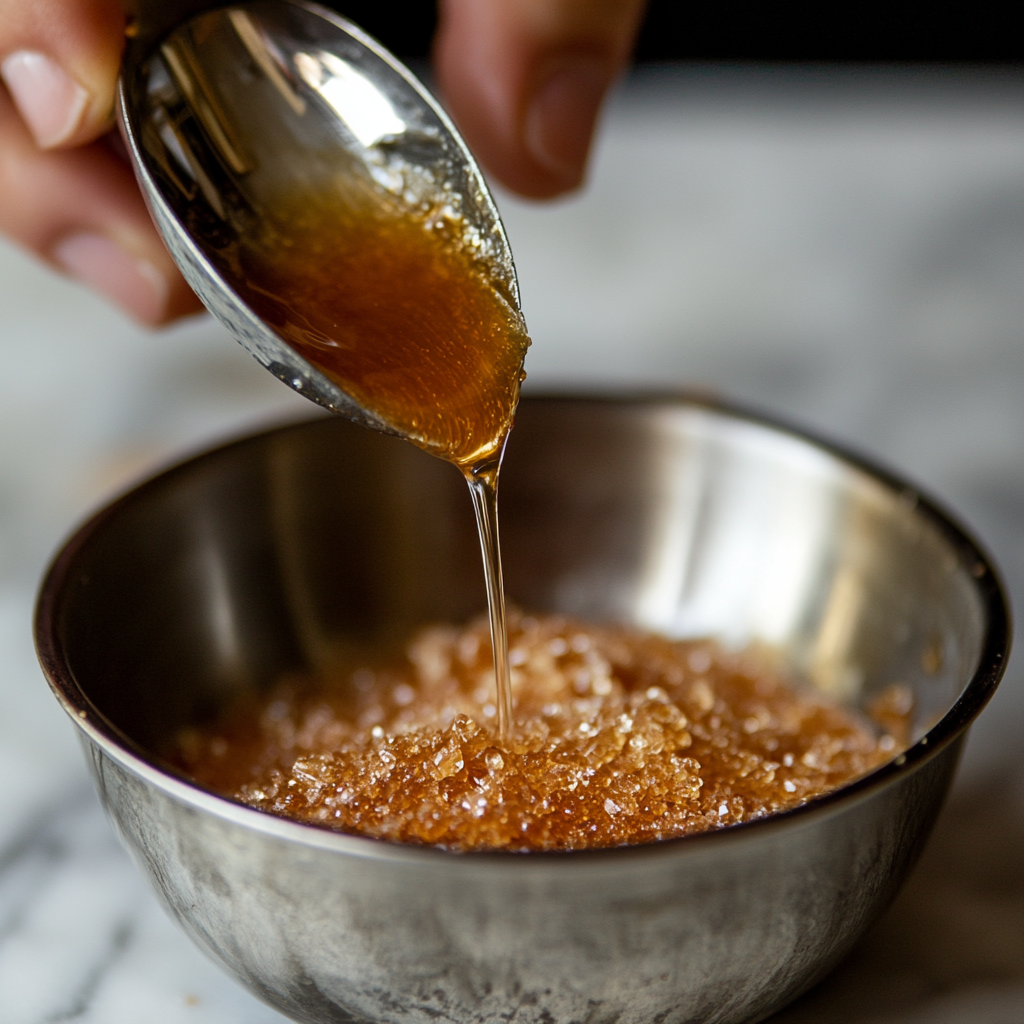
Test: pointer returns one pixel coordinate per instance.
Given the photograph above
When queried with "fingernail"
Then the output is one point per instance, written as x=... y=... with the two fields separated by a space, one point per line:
x=134 y=284
x=560 y=118
x=49 y=100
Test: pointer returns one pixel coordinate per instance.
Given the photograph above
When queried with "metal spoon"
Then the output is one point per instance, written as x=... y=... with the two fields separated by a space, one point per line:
x=224 y=109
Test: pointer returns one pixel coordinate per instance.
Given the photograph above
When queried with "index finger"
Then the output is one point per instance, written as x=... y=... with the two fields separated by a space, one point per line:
x=525 y=80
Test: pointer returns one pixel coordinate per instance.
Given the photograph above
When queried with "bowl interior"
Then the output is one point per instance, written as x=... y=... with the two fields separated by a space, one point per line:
x=285 y=549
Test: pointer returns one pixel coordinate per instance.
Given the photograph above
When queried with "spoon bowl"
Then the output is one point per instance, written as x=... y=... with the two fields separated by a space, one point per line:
x=225 y=111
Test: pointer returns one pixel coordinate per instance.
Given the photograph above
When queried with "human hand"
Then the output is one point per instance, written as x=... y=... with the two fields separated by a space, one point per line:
x=65 y=192
x=524 y=79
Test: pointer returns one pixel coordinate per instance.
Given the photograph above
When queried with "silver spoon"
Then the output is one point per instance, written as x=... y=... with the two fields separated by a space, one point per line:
x=223 y=109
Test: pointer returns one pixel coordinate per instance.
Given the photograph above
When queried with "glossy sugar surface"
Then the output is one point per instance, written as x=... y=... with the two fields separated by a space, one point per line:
x=621 y=737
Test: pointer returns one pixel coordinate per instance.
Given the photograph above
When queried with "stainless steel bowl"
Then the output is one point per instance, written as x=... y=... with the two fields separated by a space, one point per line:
x=674 y=514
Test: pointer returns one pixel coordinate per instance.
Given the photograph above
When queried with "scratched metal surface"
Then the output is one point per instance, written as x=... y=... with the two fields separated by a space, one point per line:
x=842 y=249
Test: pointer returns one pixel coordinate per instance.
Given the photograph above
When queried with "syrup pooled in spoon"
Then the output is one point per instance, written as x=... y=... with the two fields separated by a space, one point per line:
x=391 y=305
x=395 y=307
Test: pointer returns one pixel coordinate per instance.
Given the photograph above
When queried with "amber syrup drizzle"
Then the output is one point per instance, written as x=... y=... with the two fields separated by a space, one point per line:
x=409 y=321
x=483 y=487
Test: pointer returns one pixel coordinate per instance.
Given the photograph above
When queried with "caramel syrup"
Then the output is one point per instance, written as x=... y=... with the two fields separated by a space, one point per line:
x=397 y=309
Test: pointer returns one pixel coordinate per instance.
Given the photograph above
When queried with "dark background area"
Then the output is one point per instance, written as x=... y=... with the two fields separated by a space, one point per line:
x=844 y=30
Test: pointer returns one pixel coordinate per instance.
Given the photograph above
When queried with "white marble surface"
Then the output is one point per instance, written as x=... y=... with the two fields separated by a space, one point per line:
x=844 y=249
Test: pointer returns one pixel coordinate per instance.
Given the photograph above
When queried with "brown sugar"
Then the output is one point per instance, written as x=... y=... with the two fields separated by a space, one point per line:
x=620 y=737
x=396 y=307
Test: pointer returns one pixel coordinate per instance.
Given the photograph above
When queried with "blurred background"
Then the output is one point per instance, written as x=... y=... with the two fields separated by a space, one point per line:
x=821 y=215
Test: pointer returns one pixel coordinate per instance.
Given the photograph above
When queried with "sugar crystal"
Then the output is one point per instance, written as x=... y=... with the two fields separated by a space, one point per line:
x=668 y=738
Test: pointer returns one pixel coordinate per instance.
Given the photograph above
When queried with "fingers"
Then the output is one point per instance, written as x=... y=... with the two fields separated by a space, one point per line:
x=59 y=60
x=525 y=80
x=81 y=211
x=77 y=206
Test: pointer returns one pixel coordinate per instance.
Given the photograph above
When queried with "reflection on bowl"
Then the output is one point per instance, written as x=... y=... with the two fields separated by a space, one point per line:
x=279 y=550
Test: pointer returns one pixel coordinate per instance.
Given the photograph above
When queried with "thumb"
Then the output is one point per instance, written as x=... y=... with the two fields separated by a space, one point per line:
x=525 y=80
x=59 y=60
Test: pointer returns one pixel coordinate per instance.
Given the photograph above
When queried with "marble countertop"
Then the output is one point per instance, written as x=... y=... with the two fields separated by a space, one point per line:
x=842 y=248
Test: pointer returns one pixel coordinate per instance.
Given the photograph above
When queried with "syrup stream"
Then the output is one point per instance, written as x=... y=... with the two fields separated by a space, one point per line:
x=483 y=488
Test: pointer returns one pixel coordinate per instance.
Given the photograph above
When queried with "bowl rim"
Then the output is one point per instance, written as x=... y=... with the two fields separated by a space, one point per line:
x=992 y=659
